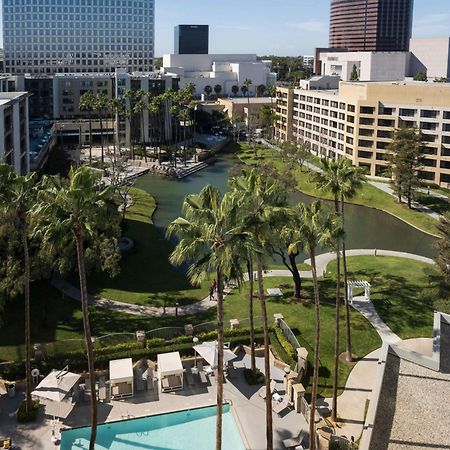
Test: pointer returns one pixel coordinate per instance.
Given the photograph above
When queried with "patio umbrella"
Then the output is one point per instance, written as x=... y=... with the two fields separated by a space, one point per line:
x=209 y=352
x=3 y=390
x=56 y=385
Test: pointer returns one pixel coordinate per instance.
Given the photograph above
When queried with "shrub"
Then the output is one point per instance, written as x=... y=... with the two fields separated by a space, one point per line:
x=25 y=417
x=251 y=379
x=285 y=344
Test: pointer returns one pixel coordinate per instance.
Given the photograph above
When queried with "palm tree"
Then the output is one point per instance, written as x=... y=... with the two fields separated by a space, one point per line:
x=235 y=89
x=259 y=198
x=75 y=214
x=260 y=90
x=208 y=236
x=101 y=104
x=87 y=102
x=17 y=195
x=246 y=91
x=217 y=89
x=208 y=90
x=316 y=228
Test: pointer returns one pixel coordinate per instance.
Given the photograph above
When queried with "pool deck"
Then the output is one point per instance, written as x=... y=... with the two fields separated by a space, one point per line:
x=248 y=409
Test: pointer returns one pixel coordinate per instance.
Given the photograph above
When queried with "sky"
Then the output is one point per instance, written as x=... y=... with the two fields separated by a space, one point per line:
x=280 y=27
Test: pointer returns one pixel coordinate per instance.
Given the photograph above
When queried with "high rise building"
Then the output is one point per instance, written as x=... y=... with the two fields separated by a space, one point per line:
x=191 y=40
x=51 y=36
x=371 y=25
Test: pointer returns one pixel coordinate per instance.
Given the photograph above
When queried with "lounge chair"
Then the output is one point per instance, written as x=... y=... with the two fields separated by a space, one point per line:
x=5 y=443
x=281 y=406
x=201 y=373
x=292 y=443
x=262 y=391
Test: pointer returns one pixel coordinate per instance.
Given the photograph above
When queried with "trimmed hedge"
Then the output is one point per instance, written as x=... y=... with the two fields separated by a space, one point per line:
x=286 y=345
x=76 y=360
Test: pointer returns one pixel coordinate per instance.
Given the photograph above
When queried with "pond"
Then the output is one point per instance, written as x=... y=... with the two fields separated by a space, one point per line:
x=365 y=227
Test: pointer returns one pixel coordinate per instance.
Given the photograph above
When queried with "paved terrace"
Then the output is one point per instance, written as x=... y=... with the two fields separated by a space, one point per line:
x=248 y=408
x=414 y=408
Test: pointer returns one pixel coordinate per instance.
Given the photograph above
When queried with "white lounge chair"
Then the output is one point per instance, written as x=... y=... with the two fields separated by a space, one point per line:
x=281 y=406
x=262 y=391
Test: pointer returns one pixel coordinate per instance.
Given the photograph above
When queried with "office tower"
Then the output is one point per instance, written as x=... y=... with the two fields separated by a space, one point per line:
x=371 y=25
x=191 y=40
x=51 y=36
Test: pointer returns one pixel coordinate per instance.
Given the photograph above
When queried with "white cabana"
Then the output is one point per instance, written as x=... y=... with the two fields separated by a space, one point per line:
x=121 y=378
x=359 y=284
x=209 y=352
x=3 y=389
x=56 y=385
x=170 y=370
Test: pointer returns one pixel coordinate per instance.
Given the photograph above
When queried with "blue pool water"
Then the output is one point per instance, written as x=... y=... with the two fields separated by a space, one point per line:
x=185 y=430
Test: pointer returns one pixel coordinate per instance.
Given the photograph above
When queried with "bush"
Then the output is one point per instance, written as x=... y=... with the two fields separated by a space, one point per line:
x=251 y=379
x=25 y=417
x=285 y=344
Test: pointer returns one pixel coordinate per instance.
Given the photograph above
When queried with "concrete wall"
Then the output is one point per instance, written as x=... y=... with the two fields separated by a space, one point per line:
x=431 y=56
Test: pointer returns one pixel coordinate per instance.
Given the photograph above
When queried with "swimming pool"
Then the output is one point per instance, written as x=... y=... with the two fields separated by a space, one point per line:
x=185 y=430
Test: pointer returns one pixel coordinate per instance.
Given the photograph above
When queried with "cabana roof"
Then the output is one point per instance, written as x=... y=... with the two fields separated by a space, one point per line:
x=170 y=364
x=56 y=385
x=121 y=370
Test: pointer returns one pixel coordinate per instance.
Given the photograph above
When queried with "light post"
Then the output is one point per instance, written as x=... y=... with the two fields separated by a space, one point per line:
x=195 y=341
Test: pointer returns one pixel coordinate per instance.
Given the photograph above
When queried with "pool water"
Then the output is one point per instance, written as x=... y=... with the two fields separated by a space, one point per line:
x=185 y=430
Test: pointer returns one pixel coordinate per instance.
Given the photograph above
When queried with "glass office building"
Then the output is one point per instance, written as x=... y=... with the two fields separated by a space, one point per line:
x=51 y=36
x=191 y=40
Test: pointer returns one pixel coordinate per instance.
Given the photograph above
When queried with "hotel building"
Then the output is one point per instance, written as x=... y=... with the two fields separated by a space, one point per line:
x=357 y=121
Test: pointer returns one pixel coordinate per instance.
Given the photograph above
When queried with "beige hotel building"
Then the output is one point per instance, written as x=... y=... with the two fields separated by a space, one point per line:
x=358 y=119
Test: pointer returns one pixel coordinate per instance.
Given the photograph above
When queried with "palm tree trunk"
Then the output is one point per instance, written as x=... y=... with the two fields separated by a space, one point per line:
x=349 y=355
x=269 y=427
x=90 y=139
x=312 y=437
x=87 y=334
x=251 y=315
x=27 y=317
x=101 y=140
x=220 y=343
x=336 y=337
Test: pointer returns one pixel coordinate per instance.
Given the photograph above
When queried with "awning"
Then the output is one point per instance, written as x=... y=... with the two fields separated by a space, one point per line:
x=56 y=385
x=3 y=389
x=169 y=364
x=121 y=371
x=209 y=352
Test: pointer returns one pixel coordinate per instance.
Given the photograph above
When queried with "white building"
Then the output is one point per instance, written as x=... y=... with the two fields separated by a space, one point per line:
x=14 y=145
x=371 y=66
x=431 y=56
x=224 y=70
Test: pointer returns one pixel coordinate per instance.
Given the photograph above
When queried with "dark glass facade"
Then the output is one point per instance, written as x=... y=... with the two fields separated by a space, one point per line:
x=371 y=25
x=51 y=36
x=191 y=40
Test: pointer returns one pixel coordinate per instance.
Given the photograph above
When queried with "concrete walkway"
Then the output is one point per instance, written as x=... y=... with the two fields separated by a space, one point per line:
x=385 y=187
x=322 y=262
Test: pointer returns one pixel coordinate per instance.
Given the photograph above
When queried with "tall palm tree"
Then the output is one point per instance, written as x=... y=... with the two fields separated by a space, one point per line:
x=272 y=93
x=208 y=236
x=101 y=104
x=217 y=89
x=17 y=195
x=246 y=91
x=235 y=89
x=259 y=200
x=316 y=228
x=208 y=89
x=87 y=102
x=74 y=215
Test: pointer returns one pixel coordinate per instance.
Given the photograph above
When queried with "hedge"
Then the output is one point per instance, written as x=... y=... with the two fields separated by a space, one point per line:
x=76 y=360
x=286 y=345
x=25 y=417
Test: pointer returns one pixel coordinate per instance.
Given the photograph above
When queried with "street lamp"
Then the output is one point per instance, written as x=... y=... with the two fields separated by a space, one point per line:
x=195 y=341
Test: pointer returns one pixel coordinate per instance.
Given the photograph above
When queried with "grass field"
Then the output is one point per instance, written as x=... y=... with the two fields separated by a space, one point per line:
x=146 y=277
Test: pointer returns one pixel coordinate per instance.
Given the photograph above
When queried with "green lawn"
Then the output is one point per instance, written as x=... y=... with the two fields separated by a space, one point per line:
x=368 y=195
x=55 y=318
x=146 y=276
x=301 y=318
x=398 y=292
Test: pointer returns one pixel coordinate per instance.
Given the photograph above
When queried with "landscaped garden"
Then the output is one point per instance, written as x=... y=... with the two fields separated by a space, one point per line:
x=368 y=195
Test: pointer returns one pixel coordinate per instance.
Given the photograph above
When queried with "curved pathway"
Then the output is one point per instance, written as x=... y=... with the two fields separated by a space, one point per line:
x=322 y=262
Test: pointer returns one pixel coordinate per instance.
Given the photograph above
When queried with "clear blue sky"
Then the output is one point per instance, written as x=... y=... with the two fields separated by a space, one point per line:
x=282 y=27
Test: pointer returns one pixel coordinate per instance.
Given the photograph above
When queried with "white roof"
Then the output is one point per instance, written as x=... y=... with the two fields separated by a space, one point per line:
x=169 y=364
x=121 y=370
x=56 y=385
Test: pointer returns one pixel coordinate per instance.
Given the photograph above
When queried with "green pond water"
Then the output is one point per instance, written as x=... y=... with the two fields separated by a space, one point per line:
x=365 y=227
